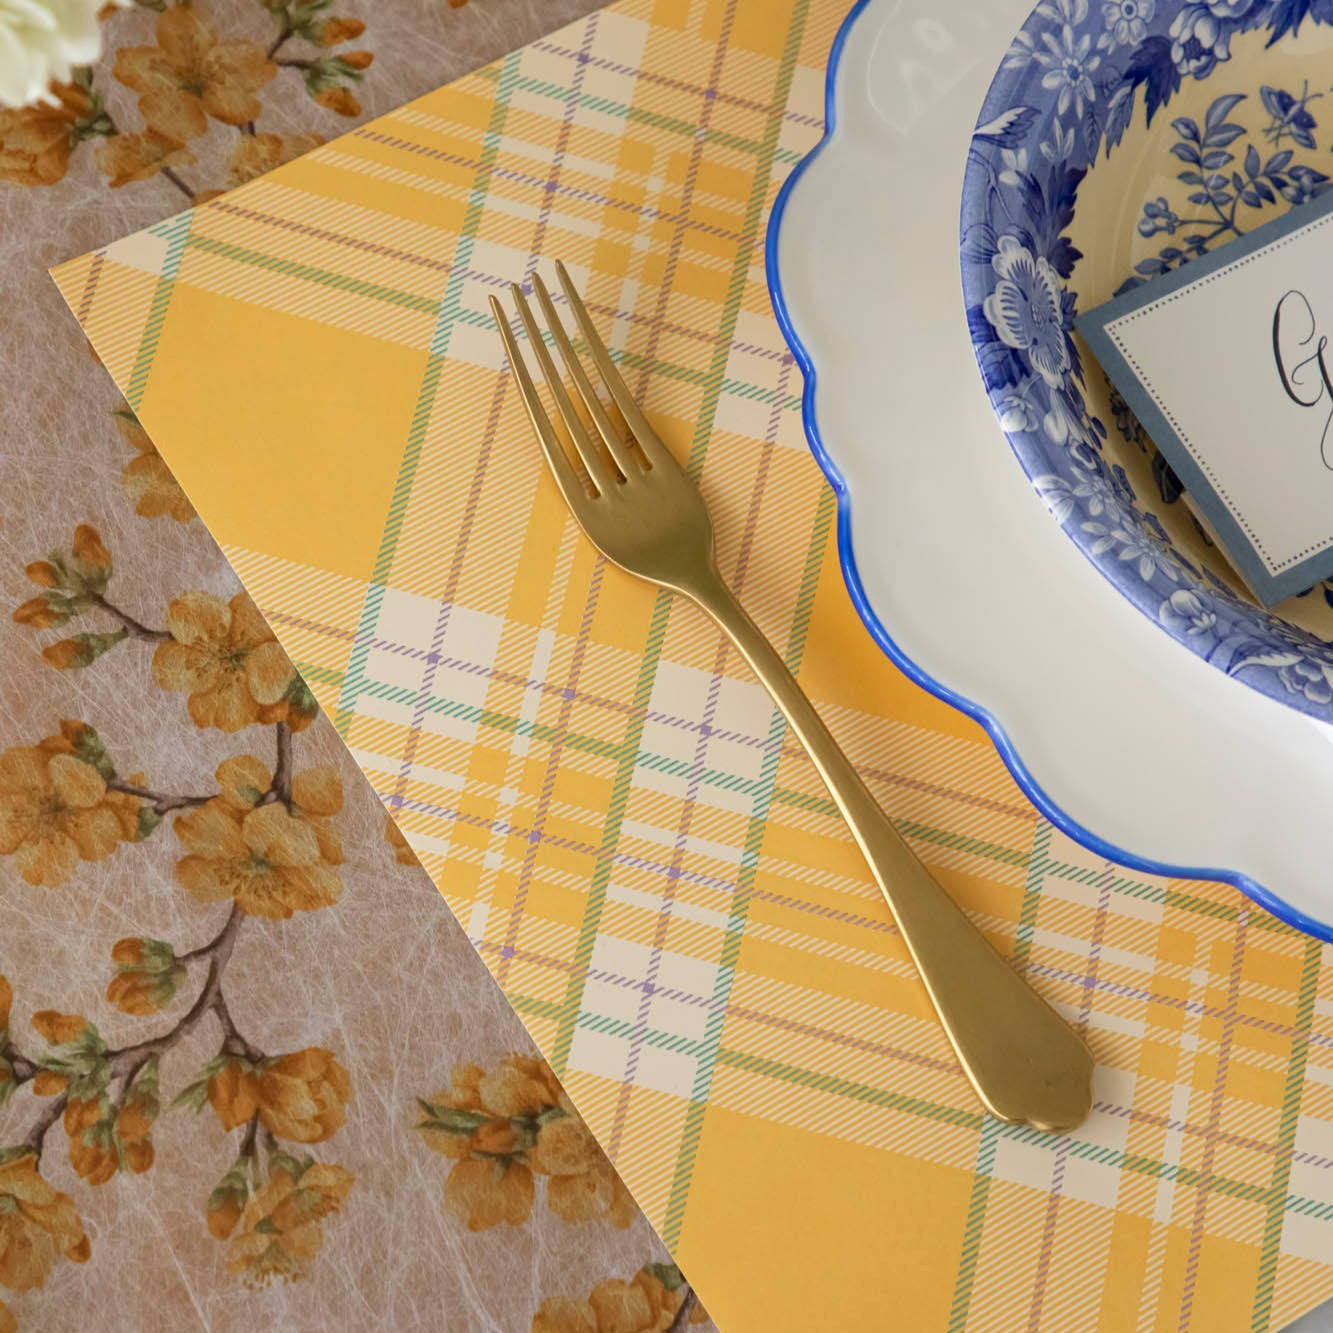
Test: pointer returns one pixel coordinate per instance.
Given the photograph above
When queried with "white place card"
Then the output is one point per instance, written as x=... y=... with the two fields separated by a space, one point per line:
x=1227 y=363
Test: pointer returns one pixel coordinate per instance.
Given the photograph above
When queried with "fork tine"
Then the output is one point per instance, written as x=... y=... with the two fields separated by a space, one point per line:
x=569 y=482
x=603 y=479
x=652 y=447
x=611 y=437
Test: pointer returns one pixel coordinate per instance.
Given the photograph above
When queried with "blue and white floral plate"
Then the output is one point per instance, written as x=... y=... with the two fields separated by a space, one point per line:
x=1131 y=744
x=1119 y=140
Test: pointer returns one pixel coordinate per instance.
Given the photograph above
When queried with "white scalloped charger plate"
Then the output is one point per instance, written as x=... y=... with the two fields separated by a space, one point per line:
x=1122 y=738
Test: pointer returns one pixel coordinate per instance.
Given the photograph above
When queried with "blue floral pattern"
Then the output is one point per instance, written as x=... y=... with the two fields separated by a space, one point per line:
x=1219 y=193
x=1070 y=87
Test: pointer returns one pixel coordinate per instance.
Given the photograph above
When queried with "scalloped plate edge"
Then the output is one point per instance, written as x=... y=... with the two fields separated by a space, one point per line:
x=1008 y=752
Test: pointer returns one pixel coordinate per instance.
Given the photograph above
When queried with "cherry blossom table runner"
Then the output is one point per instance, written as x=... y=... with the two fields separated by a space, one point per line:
x=644 y=859
x=285 y=1100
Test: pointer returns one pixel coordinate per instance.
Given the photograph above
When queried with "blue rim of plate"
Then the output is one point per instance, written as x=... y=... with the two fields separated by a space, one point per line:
x=1008 y=753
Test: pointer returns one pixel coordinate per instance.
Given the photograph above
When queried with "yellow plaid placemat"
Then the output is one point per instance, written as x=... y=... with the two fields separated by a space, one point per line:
x=608 y=801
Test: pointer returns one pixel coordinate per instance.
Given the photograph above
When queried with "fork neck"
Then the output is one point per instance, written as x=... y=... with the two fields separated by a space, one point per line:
x=710 y=591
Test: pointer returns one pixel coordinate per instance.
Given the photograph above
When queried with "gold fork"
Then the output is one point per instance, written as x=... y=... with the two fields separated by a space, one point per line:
x=643 y=513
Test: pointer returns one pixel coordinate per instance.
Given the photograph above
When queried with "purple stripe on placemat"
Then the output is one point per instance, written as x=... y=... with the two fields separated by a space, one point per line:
x=713 y=1004
x=788 y=748
x=449 y=594
x=688 y=187
x=664 y=915
x=1051 y=1220
x=504 y=828
x=1203 y=1189
x=566 y=191
x=680 y=85
x=479 y=276
x=1185 y=1127
x=565 y=709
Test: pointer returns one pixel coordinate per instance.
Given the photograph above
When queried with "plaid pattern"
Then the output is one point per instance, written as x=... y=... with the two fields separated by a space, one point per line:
x=609 y=803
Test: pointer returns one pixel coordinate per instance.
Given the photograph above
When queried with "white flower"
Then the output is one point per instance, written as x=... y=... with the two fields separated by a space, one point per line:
x=1069 y=65
x=1126 y=22
x=1059 y=499
x=1027 y=309
x=1134 y=544
x=1060 y=146
x=1062 y=13
x=1306 y=675
x=1099 y=495
x=1185 y=612
x=1021 y=51
x=1200 y=39
x=41 y=40
x=1072 y=12
x=1015 y=166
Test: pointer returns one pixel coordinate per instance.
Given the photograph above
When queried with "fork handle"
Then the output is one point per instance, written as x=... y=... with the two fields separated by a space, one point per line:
x=1026 y=1064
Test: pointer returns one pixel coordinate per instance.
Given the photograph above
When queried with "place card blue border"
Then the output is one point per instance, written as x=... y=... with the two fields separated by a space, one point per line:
x=1268 y=588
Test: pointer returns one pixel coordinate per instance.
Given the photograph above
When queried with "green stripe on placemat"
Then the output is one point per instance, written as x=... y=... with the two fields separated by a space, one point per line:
x=321 y=277
x=851 y=1089
x=621 y=785
x=355 y=680
x=1271 y=1247
x=1038 y=864
x=176 y=231
x=686 y=129
x=735 y=928
x=694 y=1116
x=975 y=1225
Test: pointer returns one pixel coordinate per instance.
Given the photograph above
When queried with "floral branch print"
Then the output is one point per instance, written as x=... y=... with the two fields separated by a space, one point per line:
x=656 y=1300
x=189 y=80
x=300 y=1097
x=329 y=80
x=501 y=1130
x=38 y=1224
x=37 y=142
x=159 y=802
x=1257 y=184
x=504 y=1128
x=108 y=1100
x=221 y=654
x=129 y=625
x=74 y=584
x=226 y=659
x=259 y=841
x=56 y=808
